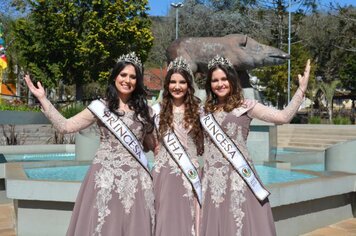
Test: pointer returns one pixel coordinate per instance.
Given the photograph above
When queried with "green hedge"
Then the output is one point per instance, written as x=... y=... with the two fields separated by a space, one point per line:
x=314 y=120
x=10 y=107
x=72 y=109
x=339 y=120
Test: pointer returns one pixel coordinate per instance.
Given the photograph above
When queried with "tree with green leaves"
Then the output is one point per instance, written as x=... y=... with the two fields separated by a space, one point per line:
x=347 y=47
x=274 y=79
x=328 y=89
x=77 y=42
x=330 y=38
x=163 y=30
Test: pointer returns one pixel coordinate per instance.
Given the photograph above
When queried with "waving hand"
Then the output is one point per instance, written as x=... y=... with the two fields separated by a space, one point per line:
x=38 y=91
x=303 y=79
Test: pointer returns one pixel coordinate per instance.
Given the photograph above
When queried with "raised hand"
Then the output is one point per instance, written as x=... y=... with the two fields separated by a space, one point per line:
x=38 y=91
x=303 y=80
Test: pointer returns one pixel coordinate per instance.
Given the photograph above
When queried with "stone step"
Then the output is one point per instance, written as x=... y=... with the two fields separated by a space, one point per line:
x=317 y=137
x=335 y=127
x=323 y=131
x=315 y=134
x=313 y=140
x=303 y=144
x=317 y=126
x=330 y=127
x=314 y=145
x=313 y=137
x=303 y=148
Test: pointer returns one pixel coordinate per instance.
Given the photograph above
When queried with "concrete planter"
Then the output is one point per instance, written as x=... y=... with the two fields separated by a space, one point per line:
x=341 y=157
x=22 y=118
x=86 y=145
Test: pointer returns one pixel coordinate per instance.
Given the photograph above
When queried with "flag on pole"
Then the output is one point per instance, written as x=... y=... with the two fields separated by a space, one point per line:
x=3 y=62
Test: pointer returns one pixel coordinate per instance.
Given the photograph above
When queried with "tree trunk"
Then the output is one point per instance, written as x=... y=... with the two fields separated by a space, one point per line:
x=353 y=112
x=330 y=111
x=79 y=91
x=61 y=90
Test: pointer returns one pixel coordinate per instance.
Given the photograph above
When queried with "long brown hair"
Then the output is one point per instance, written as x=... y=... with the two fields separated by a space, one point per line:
x=191 y=109
x=234 y=99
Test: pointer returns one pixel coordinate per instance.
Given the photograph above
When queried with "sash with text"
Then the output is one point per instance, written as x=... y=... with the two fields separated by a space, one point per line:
x=178 y=153
x=120 y=130
x=180 y=156
x=234 y=156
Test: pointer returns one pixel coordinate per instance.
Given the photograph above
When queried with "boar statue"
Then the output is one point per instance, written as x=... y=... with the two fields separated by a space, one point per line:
x=244 y=52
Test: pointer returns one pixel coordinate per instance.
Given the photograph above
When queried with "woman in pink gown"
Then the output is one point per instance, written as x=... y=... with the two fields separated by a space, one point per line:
x=116 y=196
x=230 y=207
x=176 y=202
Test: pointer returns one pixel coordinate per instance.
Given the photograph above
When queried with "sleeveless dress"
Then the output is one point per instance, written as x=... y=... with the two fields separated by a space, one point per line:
x=116 y=196
x=229 y=206
x=175 y=200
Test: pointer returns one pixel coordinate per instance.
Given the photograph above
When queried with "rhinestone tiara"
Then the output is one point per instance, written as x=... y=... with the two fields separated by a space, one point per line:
x=180 y=63
x=132 y=58
x=219 y=60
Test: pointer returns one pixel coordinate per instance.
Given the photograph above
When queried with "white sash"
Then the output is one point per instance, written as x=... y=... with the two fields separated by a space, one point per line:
x=234 y=156
x=120 y=130
x=181 y=157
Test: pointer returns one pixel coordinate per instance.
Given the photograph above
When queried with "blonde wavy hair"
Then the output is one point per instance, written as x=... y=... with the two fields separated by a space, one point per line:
x=191 y=110
x=235 y=98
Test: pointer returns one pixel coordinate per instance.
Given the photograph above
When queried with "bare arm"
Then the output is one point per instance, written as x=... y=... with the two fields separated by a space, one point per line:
x=272 y=115
x=78 y=122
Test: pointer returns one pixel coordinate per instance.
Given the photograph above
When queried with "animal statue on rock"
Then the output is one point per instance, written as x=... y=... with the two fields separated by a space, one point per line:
x=244 y=52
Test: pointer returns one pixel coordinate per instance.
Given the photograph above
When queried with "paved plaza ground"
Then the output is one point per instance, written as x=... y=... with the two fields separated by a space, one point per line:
x=343 y=228
x=7 y=220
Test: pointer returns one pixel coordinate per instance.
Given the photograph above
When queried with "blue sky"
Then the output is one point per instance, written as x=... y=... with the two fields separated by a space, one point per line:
x=160 y=7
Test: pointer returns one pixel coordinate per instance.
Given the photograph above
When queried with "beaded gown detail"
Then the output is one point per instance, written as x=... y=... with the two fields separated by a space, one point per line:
x=116 y=196
x=229 y=206
x=175 y=200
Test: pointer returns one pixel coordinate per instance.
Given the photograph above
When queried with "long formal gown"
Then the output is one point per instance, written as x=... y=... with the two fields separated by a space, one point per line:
x=116 y=196
x=175 y=201
x=229 y=206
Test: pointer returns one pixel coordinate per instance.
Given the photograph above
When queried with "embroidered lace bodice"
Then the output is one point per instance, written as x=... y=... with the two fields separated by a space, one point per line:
x=119 y=174
x=219 y=178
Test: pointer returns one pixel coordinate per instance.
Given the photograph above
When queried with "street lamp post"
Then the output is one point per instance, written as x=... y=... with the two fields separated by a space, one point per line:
x=177 y=6
x=289 y=47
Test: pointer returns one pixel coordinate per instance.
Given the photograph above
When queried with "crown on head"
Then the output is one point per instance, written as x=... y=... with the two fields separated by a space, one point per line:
x=180 y=63
x=219 y=60
x=132 y=58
